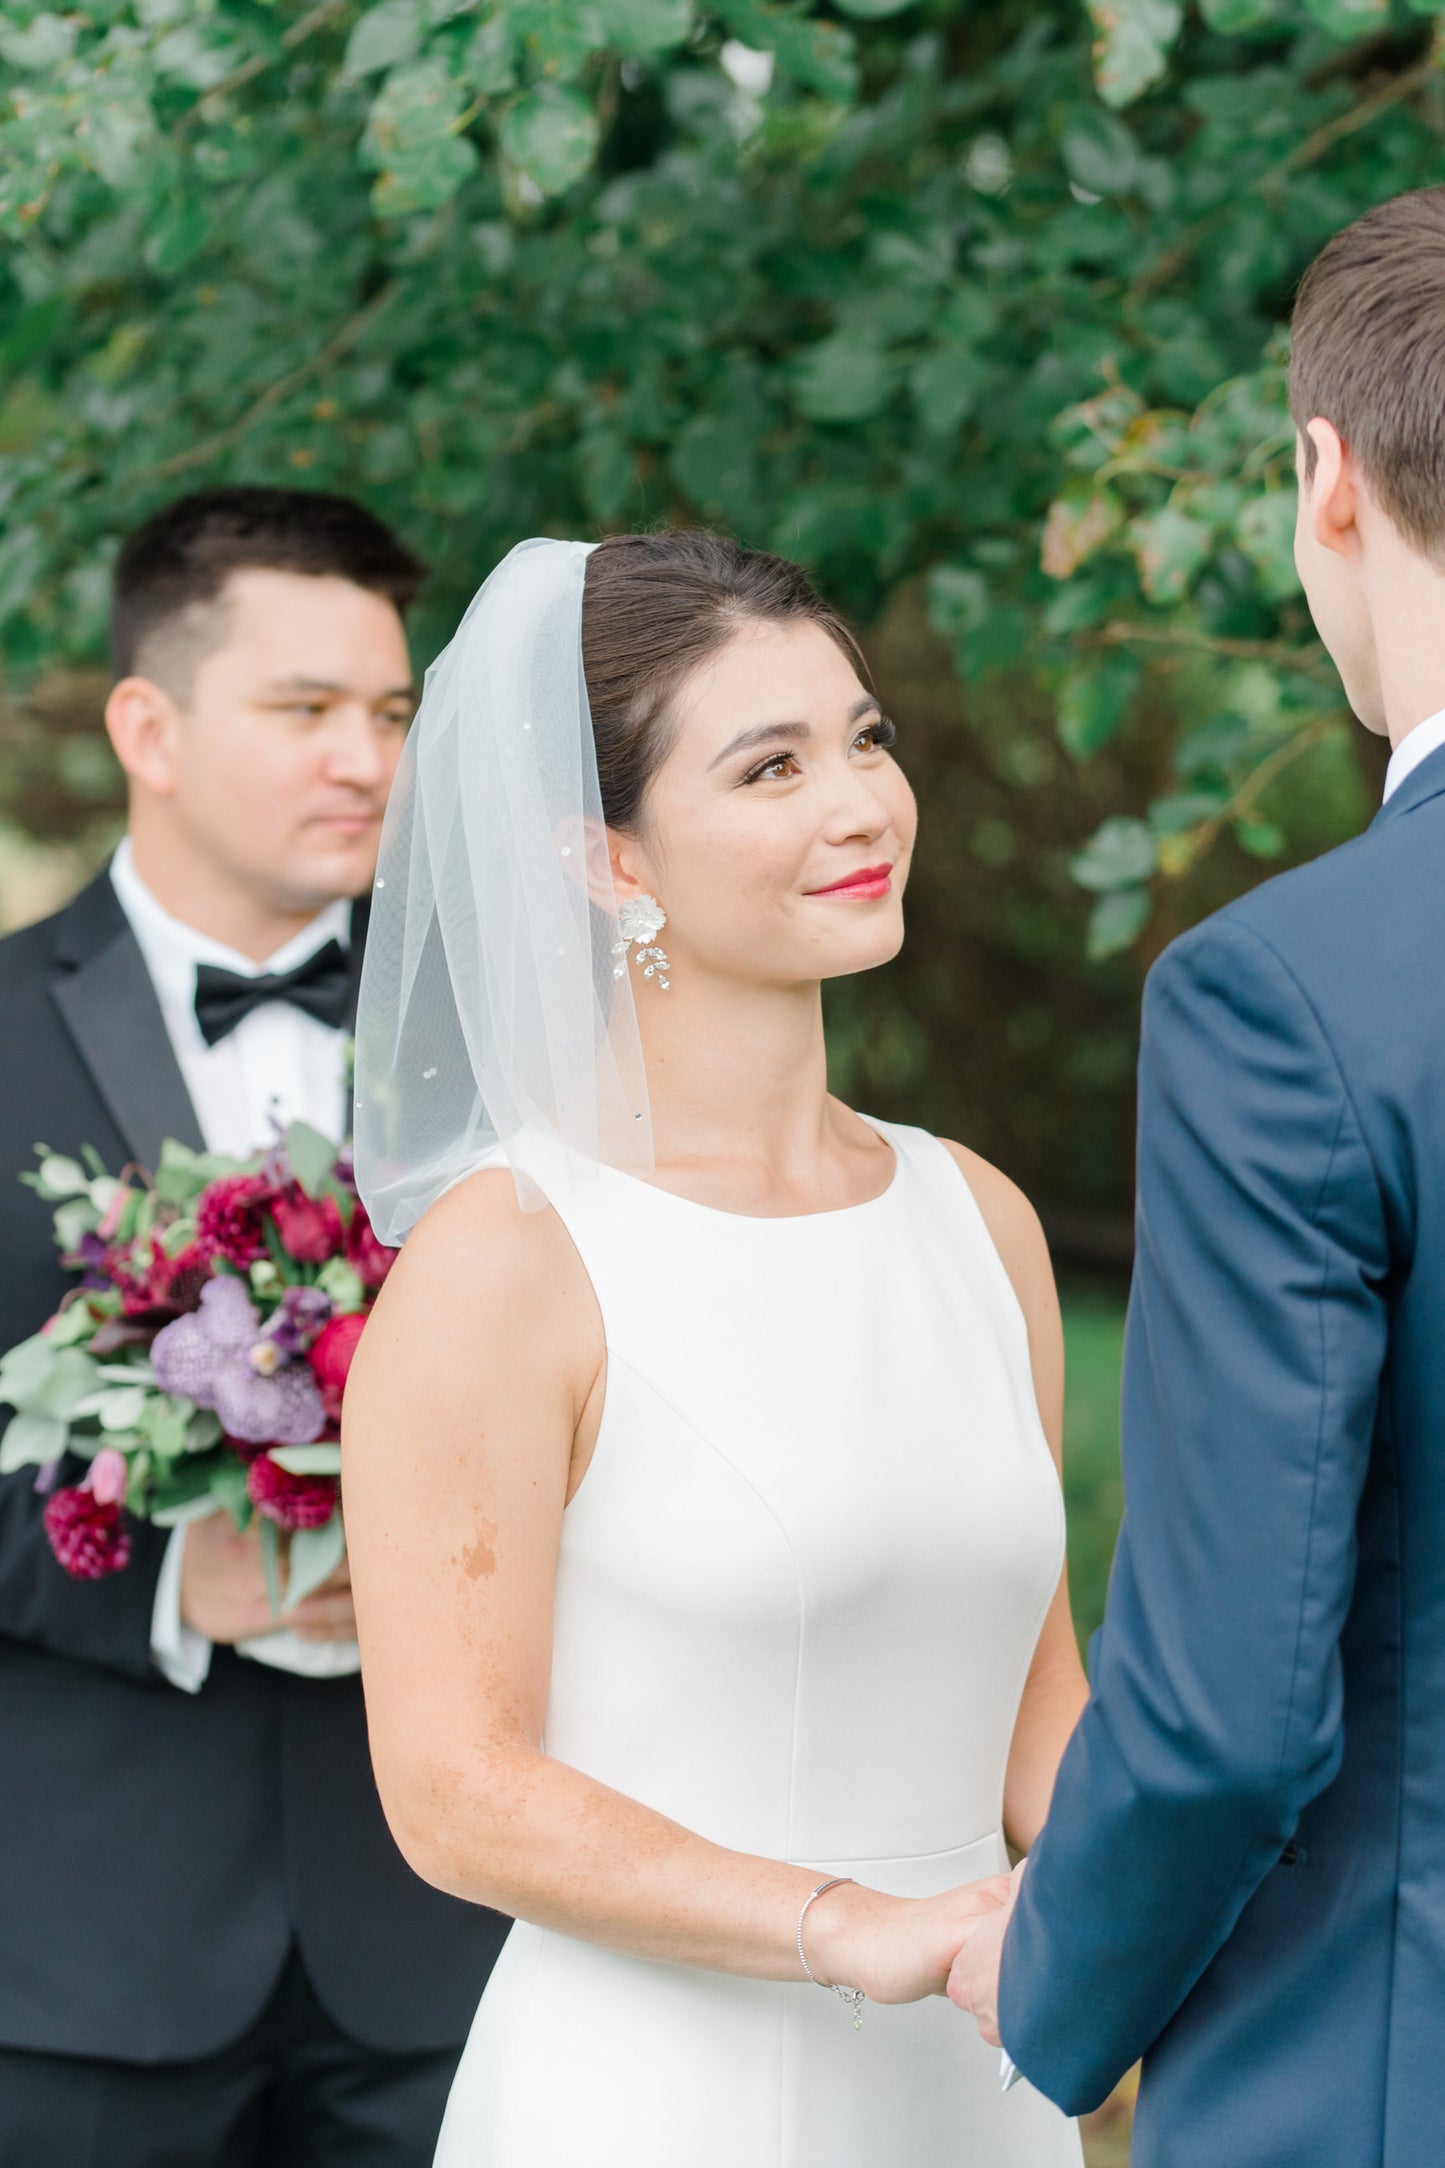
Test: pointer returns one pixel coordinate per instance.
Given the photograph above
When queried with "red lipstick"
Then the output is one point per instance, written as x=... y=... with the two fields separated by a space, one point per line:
x=867 y=884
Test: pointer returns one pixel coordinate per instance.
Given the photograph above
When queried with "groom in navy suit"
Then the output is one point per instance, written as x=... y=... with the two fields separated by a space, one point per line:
x=1242 y=1878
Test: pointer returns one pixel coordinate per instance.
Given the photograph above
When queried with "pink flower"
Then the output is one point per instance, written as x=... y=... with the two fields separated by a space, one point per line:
x=291 y=1501
x=330 y=1358
x=108 y=1476
x=229 y=1216
x=370 y=1259
x=86 y=1534
x=309 y=1227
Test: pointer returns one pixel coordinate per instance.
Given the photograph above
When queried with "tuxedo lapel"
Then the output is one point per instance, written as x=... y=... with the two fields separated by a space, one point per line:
x=107 y=1002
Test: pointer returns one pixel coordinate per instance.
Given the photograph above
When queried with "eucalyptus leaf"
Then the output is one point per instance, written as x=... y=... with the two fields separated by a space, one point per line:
x=312 y=1156
x=324 y=1459
x=315 y=1553
x=26 y=1368
x=271 y=1563
x=31 y=1440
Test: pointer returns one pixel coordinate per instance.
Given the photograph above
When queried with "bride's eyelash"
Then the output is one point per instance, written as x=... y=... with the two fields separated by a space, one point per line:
x=883 y=732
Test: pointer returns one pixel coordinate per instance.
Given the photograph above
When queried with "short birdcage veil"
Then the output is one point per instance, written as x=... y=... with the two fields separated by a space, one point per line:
x=489 y=1014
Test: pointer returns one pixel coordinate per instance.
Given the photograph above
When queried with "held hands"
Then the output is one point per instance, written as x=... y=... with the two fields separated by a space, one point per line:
x=223 y=1589
x=898 y=1949
x=973 y=1978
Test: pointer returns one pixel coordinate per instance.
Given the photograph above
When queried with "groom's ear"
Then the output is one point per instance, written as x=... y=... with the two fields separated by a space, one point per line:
x=1330 y=489
x=144 y=725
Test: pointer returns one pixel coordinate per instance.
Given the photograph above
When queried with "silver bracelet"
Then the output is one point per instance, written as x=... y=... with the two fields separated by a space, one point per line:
x=853 y=1996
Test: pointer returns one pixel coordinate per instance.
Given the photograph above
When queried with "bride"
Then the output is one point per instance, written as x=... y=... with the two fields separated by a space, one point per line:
x=701 y=1454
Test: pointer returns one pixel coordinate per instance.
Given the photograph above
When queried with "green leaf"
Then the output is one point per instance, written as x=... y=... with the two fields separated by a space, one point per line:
x=1171 y=548
x=844 y=378
x=1099 y=153
x=1094 y=700
x=1261 y=839
x=312 y=1155
x=712 y=460
x=872 y=11
x=1121 y=853
x=184 y=1493
x=1116 y=922
x=1132 y=47
x=1348 y=19
x=385 y=35
x=228 y=1488
x=179 y=232
x=1266 y=535
x=944 y=386
x=307 y=1459
x=638 y=28
x=271 y=1563
x=315 y=1555
x=609 y=473
x=182 y=1174
x=31 y=1440
x=550 y=134
x=1232 y=16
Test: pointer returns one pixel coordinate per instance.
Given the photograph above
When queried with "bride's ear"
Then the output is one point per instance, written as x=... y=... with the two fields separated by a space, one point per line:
x=608 y=861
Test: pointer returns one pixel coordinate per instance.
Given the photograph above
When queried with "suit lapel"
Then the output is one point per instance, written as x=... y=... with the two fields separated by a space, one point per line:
x=107 y=1002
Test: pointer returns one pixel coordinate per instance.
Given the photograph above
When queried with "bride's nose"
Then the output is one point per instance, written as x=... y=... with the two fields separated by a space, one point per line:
x=859 y=810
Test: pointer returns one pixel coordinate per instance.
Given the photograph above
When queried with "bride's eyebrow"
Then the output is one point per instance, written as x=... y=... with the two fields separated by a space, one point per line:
x=769 y=733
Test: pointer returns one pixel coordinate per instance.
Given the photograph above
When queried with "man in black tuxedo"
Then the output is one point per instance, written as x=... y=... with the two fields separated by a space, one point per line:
x=211 y=1953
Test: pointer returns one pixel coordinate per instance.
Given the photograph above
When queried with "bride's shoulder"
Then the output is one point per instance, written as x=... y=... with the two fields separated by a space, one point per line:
x=478 y=1254
x=1013 y=1224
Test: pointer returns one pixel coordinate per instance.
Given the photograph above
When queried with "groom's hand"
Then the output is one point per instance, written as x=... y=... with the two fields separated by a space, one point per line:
x=223 y=1589
x=973 y=1980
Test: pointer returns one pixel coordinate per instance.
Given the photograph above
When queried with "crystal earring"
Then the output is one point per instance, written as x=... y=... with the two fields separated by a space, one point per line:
x=639 y=919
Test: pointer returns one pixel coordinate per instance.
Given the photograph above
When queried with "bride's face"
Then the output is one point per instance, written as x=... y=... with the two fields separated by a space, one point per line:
x=777 y=832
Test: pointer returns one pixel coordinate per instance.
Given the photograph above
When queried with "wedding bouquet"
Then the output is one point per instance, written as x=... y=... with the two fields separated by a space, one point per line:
x=199 y=1362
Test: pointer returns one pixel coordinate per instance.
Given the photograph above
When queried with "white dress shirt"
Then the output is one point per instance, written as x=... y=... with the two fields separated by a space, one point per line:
x=1416 y=745
x=278 y=1066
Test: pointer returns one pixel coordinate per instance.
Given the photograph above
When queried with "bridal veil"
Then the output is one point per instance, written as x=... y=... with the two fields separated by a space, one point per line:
x=490 y=1016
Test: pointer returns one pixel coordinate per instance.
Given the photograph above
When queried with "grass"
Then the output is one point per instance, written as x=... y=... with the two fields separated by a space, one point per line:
x=1094 y=1342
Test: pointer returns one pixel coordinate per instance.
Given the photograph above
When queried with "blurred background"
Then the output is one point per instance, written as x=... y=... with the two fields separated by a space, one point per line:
x=975 y=306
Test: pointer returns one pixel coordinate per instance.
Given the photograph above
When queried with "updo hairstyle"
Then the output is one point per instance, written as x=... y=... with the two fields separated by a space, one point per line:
x=655 y=607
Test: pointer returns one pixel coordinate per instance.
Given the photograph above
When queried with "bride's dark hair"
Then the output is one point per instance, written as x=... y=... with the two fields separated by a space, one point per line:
x=654 y=607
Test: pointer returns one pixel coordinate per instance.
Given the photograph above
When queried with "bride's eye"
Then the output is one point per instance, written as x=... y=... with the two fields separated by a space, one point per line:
x=878 y=736
x=776 y=765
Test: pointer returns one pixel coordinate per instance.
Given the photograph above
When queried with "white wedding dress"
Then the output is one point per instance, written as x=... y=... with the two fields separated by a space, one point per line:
x=798 y=1593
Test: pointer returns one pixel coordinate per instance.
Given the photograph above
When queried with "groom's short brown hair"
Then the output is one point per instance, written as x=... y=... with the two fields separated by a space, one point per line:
x=1367 y=354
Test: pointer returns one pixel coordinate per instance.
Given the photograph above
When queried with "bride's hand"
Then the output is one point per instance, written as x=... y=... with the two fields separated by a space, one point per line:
x=897 y=1949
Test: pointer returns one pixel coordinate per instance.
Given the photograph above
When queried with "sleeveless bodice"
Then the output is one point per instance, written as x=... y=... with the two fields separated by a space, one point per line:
x=798 y=1591
x=820 y=1469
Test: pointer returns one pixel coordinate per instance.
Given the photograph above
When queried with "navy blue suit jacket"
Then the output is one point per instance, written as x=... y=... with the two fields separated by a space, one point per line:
x=1242 y=1878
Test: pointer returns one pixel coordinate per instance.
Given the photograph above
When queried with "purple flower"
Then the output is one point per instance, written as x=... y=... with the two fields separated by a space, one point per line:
x=206 y=1357
x=301 y=1314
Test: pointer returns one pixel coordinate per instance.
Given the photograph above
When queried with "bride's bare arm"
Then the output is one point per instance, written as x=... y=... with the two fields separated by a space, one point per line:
x=473 y=1395
x=1056 y=1690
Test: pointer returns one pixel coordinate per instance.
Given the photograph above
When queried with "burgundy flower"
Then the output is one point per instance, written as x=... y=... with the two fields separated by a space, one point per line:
x=87 y=1535
x=330 y=1358
x=291 y=1501
x=229 y=1218
x=159 y=1286
x=370 y=1259
x=310 y=1227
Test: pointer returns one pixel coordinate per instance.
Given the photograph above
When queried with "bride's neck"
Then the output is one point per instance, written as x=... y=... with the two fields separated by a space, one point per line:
x=738 y=1077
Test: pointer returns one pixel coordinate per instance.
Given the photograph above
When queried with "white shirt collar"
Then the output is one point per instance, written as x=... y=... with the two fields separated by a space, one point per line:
x=1417 y=745
x=172 y=949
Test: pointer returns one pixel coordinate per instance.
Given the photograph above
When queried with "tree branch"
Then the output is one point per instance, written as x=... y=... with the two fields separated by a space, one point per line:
x=1301 y=662
x=199 y=455
x=250 y=69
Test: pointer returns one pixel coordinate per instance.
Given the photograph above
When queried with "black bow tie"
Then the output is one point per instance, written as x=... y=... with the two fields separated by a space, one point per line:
x=322 y=987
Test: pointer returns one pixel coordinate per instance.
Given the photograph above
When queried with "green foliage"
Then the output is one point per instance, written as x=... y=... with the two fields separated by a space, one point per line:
x=982 y=302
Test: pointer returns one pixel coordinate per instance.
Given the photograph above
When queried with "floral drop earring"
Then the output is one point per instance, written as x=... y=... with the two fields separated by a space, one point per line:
x=640 y=919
